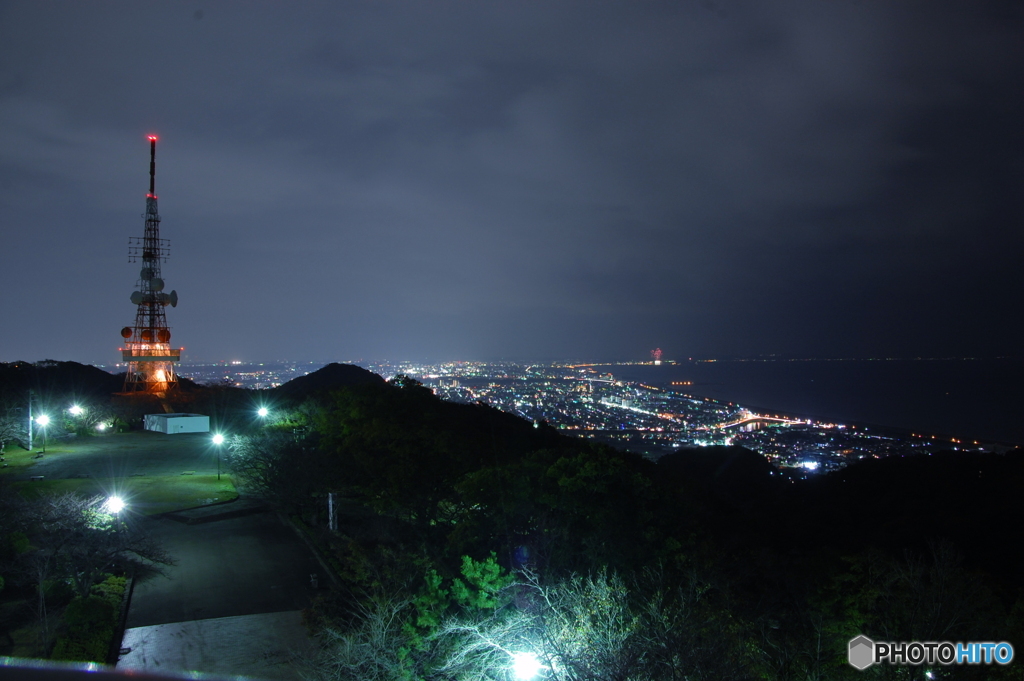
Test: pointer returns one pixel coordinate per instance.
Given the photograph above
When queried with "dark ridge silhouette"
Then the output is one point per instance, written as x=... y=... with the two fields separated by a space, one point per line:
x=52 y=378
x=733 y=472
x=326 y=379
x=723 y=492
x=896 y=503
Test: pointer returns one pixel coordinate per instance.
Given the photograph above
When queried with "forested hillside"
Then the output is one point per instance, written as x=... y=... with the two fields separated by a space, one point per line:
x=468 y=540
x=464 y=532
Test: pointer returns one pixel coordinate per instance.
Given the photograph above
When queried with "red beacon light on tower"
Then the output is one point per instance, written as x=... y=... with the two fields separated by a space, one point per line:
x=147 y=351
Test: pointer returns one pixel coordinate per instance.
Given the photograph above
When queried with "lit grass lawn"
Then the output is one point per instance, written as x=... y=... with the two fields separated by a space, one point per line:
x=18 y=459
x=147 y=495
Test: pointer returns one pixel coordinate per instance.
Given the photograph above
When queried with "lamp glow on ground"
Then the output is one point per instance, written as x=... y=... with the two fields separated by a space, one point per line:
x=526 y=666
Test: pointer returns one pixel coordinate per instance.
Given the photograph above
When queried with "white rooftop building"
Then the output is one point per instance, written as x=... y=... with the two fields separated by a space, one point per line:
x=172 y=424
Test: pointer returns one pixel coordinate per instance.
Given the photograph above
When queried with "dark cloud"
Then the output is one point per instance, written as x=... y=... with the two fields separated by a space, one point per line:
x=517 y=179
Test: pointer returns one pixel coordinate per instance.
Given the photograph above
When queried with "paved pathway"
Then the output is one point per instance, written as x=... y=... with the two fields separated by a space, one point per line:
x=236 y=566
x=268 y=646
x=231 y=605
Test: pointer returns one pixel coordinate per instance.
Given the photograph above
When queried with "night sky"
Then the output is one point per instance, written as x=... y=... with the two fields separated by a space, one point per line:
x=478 y=180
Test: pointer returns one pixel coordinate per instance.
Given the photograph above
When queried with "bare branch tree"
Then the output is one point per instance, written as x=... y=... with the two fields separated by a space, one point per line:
x=261 y=462
x=584 y=628
x=11 y=429
x=377 y=650
x=73 y=537
x=53 y=521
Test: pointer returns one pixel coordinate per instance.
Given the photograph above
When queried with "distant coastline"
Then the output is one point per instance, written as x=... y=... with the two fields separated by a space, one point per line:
x=977 y=399
x=966 y=398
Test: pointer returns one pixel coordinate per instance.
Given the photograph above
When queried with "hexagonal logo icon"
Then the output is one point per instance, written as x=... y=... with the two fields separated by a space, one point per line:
x=862 y=652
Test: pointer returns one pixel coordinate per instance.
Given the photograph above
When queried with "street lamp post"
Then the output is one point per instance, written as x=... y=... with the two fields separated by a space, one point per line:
x=30 y=420
x=43 y=420
x=218 y=440
x=115 y=505
x=76 y=412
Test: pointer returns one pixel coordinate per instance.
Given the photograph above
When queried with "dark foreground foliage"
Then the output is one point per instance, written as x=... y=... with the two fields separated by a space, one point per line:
x=89 y=623
x=60 y=553
x=466 y=535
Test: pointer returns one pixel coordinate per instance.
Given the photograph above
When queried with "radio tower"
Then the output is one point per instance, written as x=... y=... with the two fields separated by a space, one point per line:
x=147 y=352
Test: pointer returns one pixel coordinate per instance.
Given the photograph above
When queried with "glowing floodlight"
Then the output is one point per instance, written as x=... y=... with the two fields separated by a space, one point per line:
x=76 y=410
x=101 y=426
x=218 y=440
x=115 y=504
x=42 y=420
x=526 y=666
x=263 y=411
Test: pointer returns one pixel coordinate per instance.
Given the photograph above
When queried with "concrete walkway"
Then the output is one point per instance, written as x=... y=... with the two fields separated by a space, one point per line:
x=236 y=566
x=231 y=604
x=268 y=646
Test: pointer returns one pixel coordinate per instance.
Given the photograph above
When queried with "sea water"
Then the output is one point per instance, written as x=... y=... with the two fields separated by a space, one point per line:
x=979 y=399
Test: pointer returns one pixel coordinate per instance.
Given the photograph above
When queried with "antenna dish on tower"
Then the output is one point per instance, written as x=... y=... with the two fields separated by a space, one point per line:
x=149 y=358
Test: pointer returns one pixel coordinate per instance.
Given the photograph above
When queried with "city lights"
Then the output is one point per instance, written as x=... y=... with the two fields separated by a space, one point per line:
x=590 y=400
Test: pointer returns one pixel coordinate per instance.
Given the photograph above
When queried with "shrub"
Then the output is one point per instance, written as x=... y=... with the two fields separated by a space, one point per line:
x=90 y=623
x=91 y=647
x=57 y=591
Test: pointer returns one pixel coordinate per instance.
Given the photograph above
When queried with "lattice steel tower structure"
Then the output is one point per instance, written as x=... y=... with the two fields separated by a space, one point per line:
x=147 y=349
